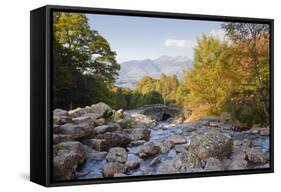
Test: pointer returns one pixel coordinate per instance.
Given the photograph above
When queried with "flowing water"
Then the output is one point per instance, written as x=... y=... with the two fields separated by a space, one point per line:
x=93 y=168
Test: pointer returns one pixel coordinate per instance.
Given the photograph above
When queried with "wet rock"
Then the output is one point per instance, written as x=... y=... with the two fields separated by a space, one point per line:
x=94 y=116
x=177 y=139
x=77 y=112
x=165 y=145
x=60 y=116
x=99 y=122
x=106 y=128
x=213 y=164
x=140 y=134
x=190 y=128
x=190 y=160
x=58 y=138
x=82 y=119
x=211 y=144
x=239 y=155
x=119 y=175
x=103 y=109
x=267 y=165
x=112 y=168
x=137 y=142
x=133 y=164
x=60 y=112
x=264 y=131
x=155 y=160
x=237 y=164
x=168 y=144
x=56 y=129
x=181 y=148
x=67 y=156
x=97 y=144
x=115 y=139
x=149 y=149
x=119 y=139
x=183 y=163
x=74 y=130
x=255 y=155
x=117 y=154
x=60 y=120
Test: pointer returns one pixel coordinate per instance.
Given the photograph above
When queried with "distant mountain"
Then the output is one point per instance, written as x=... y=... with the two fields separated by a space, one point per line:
x=132 y=71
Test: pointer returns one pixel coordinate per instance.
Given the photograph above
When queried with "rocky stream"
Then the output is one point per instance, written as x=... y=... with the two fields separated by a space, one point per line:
x=97 y=142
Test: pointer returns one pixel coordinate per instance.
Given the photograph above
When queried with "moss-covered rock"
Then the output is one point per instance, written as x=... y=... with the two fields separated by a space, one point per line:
x=211 y=144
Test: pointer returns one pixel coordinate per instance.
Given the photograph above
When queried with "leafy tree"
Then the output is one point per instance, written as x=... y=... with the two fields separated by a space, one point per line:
x=146 y=85
x=153 y=97
x=82 y=60
x=251 y=42
x=212 y=77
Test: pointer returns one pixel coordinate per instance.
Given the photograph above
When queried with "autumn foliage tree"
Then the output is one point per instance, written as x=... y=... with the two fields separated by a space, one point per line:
x=232 y=76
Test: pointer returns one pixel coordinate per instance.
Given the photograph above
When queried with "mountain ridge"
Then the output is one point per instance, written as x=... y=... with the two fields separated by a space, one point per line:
x=133 y=70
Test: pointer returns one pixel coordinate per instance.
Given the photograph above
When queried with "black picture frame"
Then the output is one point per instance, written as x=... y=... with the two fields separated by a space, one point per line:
x=41 y=94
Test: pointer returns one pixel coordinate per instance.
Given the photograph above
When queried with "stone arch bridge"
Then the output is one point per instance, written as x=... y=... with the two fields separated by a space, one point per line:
x=160 y=112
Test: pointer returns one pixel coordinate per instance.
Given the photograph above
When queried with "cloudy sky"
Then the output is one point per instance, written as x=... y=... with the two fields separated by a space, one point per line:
x=150 y=38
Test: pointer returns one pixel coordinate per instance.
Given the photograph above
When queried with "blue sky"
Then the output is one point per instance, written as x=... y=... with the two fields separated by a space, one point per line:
x=149 y=38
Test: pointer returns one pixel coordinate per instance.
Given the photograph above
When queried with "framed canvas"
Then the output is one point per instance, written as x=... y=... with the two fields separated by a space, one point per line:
x=123 y=95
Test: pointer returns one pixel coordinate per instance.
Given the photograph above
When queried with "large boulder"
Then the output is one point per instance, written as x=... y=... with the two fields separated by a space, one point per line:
x=72 y=129
x=67 y=156
x=112 y=168
x=102 y=109
x=60 y=112
x=115 y=139
x=139 y=134
x=133 y=164
x=178 y=139
x=97 y=144
x=255 y=155
x=117 y=154
x=165 y=145
x=264 y=131
x=78 y=131
x=119 y=139
x=213 y=164
x=99 y=122
x=182 y=163
x=58 y=138
x=149 y=149
x=237 y=164
x=81 y=119
x=106 y=128
x=211 y=144
x=238 y=155
x=78 y=112
x=60 y=117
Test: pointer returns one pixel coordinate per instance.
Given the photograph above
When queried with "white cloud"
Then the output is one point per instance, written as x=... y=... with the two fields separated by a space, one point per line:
x=179 y=43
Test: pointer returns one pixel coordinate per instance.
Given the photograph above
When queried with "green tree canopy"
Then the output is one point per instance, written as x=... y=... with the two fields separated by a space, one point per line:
x=82 y=59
